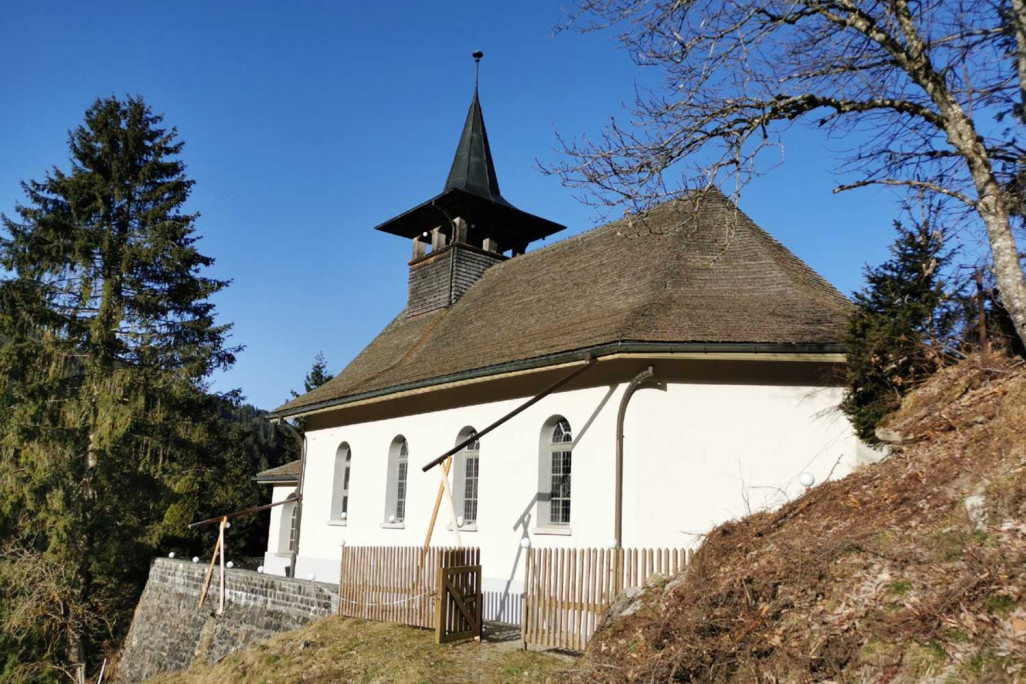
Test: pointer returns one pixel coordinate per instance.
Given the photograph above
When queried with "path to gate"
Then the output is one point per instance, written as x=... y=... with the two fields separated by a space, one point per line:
x=566 y=591
x=437 y=589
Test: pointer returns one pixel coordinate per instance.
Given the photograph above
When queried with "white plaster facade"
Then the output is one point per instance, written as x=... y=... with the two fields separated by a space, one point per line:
x=277 y=558
x=696 y=453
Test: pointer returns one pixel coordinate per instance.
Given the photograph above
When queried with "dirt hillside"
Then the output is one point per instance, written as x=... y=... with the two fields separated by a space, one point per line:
x=912 y=569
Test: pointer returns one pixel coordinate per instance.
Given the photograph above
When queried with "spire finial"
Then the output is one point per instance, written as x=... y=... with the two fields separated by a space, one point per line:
x=477 y=55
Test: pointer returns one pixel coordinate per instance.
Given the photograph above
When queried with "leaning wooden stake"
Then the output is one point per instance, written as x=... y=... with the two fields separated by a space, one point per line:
x=224 y=523
x=438 y=502
x=452 y=509
x=213 y=560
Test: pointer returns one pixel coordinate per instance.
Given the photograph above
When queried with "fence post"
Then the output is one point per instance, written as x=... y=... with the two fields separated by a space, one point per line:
x=440 y=601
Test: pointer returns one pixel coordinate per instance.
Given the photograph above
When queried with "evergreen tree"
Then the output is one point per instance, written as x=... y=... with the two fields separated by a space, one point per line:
x=317 y=376
x=899 y=326
x=107 y=336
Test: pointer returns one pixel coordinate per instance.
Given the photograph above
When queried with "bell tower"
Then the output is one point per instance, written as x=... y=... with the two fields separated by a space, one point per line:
x=458 y=234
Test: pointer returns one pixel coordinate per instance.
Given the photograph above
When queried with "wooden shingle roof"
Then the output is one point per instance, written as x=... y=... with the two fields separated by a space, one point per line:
x=283 y=474
x=696 y=270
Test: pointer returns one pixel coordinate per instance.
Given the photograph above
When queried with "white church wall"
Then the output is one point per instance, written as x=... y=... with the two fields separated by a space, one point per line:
x=275 y=561
x=695 y=455
x=698 y=455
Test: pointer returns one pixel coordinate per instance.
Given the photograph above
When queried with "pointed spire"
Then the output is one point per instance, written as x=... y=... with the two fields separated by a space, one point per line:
x=472 y=169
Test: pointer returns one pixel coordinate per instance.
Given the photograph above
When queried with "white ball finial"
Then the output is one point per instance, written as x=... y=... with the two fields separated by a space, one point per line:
x=229 y=565
x=459 y=521
x=612 y=543
x=260 y=569
x=391 y=518
x=312 y=576
x=195 y=559
x=342 y=516
x=227 y=525
x=171 y=555
x=525 y=543
x=807 y=479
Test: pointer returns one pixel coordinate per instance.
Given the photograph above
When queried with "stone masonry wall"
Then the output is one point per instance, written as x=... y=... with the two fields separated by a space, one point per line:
x=168 y=631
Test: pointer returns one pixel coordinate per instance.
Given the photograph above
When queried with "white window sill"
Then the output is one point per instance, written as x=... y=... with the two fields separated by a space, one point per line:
x=558 y=531
x=393 y=526
x=469 y=527
x=336 y=523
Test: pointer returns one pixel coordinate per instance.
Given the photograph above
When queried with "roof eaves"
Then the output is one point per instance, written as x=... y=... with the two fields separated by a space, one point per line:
x=276 y=479
x=597 y=351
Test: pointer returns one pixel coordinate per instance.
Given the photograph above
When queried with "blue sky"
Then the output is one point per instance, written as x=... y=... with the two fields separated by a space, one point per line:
x=306 y=124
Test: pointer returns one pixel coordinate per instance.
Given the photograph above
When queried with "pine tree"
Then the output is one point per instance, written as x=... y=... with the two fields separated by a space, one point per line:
x=107 y=336
x=317 y=376
x=899 y=326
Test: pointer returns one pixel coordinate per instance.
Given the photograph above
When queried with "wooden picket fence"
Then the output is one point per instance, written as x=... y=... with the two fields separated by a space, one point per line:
x=566 y=591
x=401 y=584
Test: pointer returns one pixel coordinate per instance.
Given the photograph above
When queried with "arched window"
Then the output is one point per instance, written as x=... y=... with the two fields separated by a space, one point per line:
x=340 y=487
x=287 y=529
x=293 y=528
x=466 y=476
x=395 y=499
x=554 y=472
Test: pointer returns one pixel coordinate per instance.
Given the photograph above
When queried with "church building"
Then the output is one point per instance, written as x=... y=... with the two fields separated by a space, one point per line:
x=633 y=385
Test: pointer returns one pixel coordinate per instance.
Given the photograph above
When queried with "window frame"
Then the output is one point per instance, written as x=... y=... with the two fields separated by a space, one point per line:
x=287 y=528
x=398 y=484
x=340 y=484
x=461 y=480
x=550 y=519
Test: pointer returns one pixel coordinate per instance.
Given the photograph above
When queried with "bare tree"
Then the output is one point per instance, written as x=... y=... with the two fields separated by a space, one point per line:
x=931 y=94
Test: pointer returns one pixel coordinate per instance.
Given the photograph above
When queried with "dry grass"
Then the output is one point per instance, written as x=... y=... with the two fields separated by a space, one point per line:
x=881 y=576
x=346 y=650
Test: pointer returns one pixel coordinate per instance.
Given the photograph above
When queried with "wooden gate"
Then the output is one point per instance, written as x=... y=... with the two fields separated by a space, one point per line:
x=566 y=591
x=459 y=602
x=407 y=585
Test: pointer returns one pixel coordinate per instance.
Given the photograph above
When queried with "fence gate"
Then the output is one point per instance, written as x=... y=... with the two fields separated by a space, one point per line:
x=459 y=601
x=436 y=588
x=567 y=591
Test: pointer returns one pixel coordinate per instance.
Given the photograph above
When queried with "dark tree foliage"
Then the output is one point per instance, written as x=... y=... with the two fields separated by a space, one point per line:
x=107 y=336
x=902 y=322
x=317 y=376
x=243 y=442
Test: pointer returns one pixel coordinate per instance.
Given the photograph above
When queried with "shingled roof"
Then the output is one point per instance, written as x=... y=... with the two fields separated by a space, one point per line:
x=696 y=270
x=283 y=474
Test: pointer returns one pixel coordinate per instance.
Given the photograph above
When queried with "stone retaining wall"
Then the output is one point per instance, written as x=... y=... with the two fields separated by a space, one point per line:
x=169 y=632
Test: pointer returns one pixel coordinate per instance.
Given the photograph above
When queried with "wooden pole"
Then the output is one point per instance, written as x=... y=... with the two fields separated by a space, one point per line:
x=452 y=507
x=210 y=571
x=224 y=522
x=438 y=502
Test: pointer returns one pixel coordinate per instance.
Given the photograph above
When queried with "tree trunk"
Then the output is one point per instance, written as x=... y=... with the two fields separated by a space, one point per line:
x=992 y=208
x=1007 y=269
x=76 y=657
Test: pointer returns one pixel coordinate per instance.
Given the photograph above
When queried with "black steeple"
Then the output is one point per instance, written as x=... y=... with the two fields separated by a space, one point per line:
x=470 y=209
x=472 y=168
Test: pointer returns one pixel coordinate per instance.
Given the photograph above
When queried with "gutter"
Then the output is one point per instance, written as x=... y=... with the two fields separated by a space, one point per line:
x=572 y=356
x=277 y=481
x=621 y=413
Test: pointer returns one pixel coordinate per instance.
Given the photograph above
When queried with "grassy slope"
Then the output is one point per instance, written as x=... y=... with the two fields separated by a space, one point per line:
x=882 y=576
x=345 y=650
